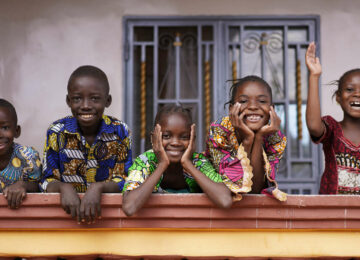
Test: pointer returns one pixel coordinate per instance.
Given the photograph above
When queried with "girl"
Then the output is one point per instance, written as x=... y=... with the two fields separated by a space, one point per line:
x=341 y=140
x=246 y=146
x=172 y=165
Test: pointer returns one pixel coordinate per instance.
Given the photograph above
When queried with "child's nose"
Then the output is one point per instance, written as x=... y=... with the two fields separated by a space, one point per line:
x=85 y=104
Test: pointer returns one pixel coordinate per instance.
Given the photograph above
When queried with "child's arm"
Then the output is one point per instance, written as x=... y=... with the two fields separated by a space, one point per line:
x=133 y=200
x=313 y=114
x=217 y=191
x=16 y=192
x=256 y=158
x=90 y=206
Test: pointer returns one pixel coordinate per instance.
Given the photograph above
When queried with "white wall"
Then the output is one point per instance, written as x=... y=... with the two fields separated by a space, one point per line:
x=42 y=42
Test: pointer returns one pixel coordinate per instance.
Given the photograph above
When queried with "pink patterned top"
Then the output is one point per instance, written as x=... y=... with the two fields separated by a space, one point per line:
x=229 y=159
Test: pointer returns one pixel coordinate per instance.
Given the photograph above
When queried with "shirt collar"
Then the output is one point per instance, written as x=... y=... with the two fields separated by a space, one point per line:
x=71 y=126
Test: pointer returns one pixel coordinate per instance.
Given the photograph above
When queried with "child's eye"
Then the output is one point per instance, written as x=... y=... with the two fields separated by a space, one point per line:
x=348 y=89
x=95 y=98
x=165 y=136
x=242 y=101
x=76 y=99
x=5 y=127
x=185 y=137
x=263 y=101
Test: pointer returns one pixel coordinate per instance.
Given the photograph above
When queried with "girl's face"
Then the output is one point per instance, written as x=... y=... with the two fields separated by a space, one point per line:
x=348 y=95
x=8 y=131
x=255 y=102
x=175 y=130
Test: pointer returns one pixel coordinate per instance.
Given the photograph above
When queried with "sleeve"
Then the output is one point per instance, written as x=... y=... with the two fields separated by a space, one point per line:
x=124 y=156
x=32 y=172
x=203 y=165
x=274 y=147
x=330 y=124
x=51 y=160
x=138 y=172
x=233 y=165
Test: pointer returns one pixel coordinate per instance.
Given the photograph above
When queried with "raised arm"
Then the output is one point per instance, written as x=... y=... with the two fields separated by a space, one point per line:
x=313 y=113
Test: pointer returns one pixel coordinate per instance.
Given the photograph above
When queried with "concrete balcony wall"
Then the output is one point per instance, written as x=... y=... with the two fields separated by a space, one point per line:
x=176 y=226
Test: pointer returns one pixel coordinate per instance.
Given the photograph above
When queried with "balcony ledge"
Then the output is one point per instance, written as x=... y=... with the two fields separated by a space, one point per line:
x=186 y=225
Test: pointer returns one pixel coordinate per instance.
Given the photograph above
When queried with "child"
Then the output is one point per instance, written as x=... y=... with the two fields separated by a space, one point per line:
x=88 y=151
x=172 y=165
x=246 y=146
x=20 y=165
x=340 y=140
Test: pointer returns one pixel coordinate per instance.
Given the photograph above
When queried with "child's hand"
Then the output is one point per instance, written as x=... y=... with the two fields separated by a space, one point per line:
x=15 y=193
x=243 y=132
x=312 y=62
x=156 y=141
x=70 y=200
x=90 y=208
x=187 y=156
x=274 y=126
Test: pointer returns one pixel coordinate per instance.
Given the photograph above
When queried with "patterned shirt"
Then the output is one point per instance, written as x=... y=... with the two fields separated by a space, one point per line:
x=230 y=161
x=69 y=158
x=342 y=161
x=146 y=163
x=24 y=165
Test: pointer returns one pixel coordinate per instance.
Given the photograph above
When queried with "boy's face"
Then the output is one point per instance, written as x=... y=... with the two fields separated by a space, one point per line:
x=255 y=102
x=8 y=131
x=87 y=98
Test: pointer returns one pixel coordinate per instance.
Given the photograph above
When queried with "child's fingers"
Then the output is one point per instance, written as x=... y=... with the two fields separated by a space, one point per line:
x=18 y=200
x=6 y=191
x=82 y=213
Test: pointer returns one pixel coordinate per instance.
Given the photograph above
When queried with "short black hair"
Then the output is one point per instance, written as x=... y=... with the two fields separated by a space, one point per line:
x=239 y=82
x=90 y=71
x=341 y=81
x=8 y=105
x=173 y=109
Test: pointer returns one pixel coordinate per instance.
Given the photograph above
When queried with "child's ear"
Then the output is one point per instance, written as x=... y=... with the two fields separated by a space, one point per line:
x=17 y=131
x=337 y=96
x=68 y=100
x=108 y=101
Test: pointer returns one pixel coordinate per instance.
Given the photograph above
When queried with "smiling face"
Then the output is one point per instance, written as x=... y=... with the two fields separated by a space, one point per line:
x=348 y=95
x=87 y=98
x=255 y=102
x=8 y=131
x=175 y=130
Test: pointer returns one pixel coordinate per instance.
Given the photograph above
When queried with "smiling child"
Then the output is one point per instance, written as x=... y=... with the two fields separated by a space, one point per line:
x=172 y=165
x=88 y=151
x=20 y=167
x=246 y=146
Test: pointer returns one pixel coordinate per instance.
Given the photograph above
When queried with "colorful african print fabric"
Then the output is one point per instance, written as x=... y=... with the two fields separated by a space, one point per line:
x=146 y=163
x=342 y=161
x=69 y=158
x=230 y=159
x=24 y=165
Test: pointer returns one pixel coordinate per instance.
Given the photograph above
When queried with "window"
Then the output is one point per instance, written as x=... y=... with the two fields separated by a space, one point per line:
x=188 y=60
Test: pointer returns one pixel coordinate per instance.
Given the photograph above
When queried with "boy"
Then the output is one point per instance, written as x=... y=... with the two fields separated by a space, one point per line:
x=88 y=151
x=20 y=167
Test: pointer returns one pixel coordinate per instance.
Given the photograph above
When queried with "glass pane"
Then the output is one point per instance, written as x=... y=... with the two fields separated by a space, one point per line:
x=295 y=191
x=297 y=34
x=234 y=62
x=306 y=191
x=292 y=134
x=263 y=56
x=301 y=170
x=304 y=73
x=234 y=34
x=143 y=34
x=207 y=33
x=306 y=141
x=292 y=73
x=188 y=66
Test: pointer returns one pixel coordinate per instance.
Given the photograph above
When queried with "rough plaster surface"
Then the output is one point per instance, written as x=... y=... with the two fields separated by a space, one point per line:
x=42 y=42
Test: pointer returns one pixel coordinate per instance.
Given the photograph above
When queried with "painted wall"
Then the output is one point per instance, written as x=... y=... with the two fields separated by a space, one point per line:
x=42 y=42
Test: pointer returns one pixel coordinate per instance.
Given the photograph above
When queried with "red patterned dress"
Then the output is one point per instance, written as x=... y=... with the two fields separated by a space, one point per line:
x=342 y=161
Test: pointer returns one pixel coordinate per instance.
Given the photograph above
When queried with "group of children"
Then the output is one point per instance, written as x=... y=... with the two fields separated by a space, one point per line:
x=90 y=152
